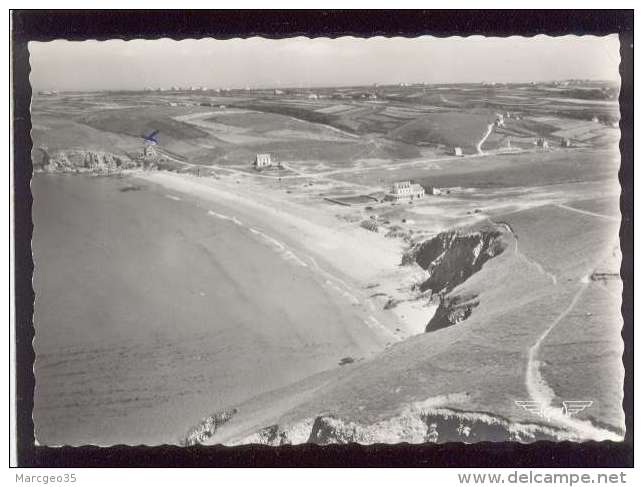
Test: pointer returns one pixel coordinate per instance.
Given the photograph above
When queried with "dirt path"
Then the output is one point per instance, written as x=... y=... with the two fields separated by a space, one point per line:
x=584 y=212
x=540 y=392
x=522 y=256
x=535 y=264
x=484 y=138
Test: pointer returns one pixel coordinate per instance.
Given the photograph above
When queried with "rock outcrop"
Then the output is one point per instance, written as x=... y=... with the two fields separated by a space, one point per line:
x=451 y=311
x=413 y=425
x=206 y=428
x=81 y=161
x=450 y=258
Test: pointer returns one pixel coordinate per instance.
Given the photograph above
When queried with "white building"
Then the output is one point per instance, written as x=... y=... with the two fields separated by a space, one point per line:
x=262 y=160
x=149 y=152
x=542 y=143
x=457 y=151
x=404 y=190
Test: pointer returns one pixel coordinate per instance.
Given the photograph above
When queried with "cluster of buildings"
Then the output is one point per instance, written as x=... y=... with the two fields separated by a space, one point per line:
x=501 y=117
x=188 y=88
x=543 y=143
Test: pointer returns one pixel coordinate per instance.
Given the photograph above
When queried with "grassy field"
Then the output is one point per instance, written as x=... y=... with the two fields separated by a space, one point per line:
x=564 y=242
x=582 y=356
x=400 y=124
x=601 y=206
x=139 y=122
x=534 y=168
x=261 y=122
x=450 y=129
x=54 y=134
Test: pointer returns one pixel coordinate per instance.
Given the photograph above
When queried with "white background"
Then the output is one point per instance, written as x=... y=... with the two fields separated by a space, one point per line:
x=266 y=477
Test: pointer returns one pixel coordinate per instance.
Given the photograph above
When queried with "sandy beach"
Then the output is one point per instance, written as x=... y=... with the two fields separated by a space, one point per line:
x=364 y=265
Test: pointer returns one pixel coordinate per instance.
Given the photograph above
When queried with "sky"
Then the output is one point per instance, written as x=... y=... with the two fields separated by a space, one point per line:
x=302 y=62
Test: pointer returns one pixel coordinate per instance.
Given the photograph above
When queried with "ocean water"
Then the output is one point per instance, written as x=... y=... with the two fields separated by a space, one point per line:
x=153 y=311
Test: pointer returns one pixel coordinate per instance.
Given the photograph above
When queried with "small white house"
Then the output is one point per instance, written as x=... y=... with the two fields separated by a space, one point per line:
x=149 y=151
x=262 y=160
x=457 y=151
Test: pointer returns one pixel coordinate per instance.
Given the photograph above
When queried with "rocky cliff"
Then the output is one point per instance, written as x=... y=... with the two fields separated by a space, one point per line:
x=206 y=428
x=414 y=424
x=451 y=311
x=80 y=161
x=450 y=258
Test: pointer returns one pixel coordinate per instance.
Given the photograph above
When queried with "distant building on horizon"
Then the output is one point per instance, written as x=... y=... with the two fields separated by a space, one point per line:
x=262 y=160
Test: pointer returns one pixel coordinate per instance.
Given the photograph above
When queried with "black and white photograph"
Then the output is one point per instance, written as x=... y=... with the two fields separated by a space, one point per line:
x=385 y=240
x=327 y=240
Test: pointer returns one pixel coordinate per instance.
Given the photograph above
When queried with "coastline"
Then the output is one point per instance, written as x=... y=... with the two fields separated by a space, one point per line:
x=184 y=310
x=362 y=266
